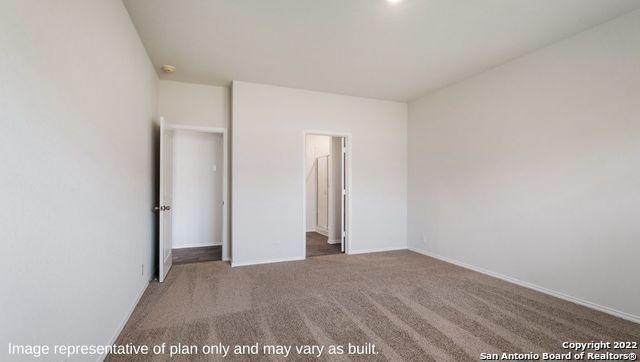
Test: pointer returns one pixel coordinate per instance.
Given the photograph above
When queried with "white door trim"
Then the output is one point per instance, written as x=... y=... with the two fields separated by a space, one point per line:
x=348 y=168
x=225 y=179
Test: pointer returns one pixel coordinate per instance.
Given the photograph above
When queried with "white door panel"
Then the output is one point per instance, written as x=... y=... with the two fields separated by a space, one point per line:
x=166 y=193
x=323 y=192
x=343 y=199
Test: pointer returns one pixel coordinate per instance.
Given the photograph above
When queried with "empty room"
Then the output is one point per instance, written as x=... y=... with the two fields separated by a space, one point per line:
x=388 y=180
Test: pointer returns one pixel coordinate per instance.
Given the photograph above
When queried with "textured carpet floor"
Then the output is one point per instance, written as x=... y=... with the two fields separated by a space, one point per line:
x=410 y=306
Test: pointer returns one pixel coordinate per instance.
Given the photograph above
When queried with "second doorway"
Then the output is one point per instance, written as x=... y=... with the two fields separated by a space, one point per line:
x=325 y=194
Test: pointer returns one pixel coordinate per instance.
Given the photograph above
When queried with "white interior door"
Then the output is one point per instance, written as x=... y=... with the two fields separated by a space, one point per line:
x=343 y=199
x=166 y=192
x=323 y=193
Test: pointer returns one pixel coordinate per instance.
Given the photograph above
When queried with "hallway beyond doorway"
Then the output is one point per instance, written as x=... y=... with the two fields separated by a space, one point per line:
x=197 y=255
x=317 y=245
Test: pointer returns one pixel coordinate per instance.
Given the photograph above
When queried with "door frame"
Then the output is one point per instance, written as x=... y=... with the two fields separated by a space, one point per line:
x=347 y=169
x=226 y=250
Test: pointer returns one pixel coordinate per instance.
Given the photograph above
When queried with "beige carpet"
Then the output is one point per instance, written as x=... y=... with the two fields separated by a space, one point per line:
x=412 y=307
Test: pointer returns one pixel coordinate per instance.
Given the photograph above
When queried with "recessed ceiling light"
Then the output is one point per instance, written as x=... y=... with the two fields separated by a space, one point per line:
x=168 y=68
x=393 y=1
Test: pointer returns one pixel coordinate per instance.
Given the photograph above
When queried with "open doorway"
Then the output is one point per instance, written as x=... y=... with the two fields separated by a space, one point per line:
x=193 y=195
x=326 y=196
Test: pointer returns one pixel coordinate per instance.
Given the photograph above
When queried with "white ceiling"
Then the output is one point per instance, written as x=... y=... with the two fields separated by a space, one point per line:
x=367 y=48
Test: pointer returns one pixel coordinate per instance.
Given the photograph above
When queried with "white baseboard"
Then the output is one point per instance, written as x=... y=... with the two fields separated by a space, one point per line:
x=264 y=261
x=335 y=241
x=126 y=318
x=311 y=230
x=195 y=246
x=582 y=302
x=377 y=250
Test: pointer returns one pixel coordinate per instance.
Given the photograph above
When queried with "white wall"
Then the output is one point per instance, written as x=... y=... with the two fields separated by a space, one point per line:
x=531 y=170
x=316 y=146
x=197 y=189
x=194 y=104
x=77 y=102
x=268 y=161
